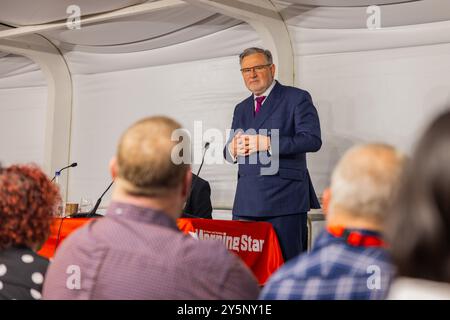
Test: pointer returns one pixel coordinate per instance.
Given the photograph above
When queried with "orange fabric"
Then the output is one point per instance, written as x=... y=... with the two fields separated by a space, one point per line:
x=355 y=238
x=336 y=231
x=254 y=242
x=67 y=225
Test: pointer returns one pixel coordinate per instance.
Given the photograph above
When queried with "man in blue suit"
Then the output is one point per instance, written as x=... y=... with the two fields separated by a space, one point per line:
x=273 y=129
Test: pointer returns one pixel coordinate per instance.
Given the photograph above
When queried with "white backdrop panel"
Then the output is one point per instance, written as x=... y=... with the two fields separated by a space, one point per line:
x=373 y=96
x=23 y=107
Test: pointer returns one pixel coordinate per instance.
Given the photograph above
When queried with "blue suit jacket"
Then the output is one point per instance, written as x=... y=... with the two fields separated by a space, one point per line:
x=289 y=190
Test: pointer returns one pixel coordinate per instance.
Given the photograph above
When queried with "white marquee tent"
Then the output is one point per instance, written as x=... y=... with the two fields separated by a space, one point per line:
x=67 y=94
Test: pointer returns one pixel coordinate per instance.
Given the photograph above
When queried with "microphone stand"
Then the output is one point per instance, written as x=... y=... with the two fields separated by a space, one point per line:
x=92 y=213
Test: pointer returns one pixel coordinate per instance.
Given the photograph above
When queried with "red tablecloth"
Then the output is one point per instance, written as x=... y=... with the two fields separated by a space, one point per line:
x=254 y=242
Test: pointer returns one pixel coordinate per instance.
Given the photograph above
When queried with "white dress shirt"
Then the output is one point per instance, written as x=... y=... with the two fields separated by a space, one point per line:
x=265 y=93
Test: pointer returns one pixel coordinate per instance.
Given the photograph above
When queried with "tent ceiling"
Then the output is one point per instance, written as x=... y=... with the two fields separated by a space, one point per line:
x=346 y=3
x=157 y=29
x=395 y=14
x=186 y=22
x=25 y=12
x=15 y=65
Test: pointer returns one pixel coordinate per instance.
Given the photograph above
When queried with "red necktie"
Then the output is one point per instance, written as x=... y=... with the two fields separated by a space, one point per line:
x=259 y=101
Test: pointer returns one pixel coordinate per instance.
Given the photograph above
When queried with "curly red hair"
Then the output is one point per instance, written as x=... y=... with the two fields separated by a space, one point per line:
x=27 y=203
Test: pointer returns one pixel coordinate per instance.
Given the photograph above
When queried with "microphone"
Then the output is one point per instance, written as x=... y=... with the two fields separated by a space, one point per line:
x=59 y=171
x=93 y=213
x=206 y=147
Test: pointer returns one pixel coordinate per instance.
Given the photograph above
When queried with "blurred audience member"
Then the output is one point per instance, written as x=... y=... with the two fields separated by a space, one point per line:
x=136 y=251
x=419 y=231
x=349 y=259
x=27 y=203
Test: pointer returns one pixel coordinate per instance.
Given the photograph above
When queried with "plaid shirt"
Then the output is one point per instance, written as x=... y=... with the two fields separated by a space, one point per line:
x=333 y=270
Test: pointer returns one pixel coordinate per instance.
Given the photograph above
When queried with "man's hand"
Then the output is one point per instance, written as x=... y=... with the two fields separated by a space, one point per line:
x=255 y=143
x=237 y=147
x=245 y=145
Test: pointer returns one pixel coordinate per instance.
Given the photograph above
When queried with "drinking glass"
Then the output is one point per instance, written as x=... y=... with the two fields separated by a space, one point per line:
x=85 y=205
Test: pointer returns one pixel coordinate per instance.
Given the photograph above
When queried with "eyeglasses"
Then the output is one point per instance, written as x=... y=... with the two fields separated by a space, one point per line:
x=258 y=69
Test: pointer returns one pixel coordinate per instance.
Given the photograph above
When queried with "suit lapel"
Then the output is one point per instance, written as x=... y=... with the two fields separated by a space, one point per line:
x=268 y=107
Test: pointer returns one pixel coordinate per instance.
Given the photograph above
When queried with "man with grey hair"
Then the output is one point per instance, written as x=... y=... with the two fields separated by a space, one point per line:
x=136 y=251
x=273 y=129
x=349 y=259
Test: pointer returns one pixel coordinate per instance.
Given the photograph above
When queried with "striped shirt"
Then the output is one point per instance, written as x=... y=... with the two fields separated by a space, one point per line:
x=138 y=253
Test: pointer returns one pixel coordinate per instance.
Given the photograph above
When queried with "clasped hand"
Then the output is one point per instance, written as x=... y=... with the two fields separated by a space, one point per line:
x=244 y=144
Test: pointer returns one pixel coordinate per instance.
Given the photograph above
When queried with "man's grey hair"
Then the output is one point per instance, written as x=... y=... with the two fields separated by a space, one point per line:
x=365 y=180
x=253 y=50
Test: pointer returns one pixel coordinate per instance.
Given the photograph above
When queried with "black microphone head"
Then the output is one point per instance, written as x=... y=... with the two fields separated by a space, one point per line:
x=74 y=164
x=207 y=145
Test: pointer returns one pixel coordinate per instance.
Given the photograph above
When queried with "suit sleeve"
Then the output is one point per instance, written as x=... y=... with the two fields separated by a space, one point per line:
x=307 y=137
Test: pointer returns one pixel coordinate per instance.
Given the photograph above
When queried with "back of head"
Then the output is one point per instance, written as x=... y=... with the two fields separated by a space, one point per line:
x=363 y=181
x=27 y=203
x=419 y=225
x=144 y=158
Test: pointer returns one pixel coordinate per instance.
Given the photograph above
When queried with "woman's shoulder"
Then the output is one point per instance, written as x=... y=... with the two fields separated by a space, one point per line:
x=19 y=259
x=22 y=273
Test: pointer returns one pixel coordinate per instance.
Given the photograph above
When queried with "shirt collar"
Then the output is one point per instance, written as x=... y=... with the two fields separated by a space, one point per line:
x=325 y=238
x=140 y=214
x=267 y=92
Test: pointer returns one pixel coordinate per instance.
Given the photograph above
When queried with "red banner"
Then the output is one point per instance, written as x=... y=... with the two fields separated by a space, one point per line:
x=254 y=242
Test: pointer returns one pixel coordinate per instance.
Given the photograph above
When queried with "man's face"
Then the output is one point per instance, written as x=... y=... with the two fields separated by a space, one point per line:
x=258 y=75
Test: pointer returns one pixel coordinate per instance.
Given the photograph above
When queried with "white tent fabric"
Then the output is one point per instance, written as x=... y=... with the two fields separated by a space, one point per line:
x=368 y=85
x=23 y=96
x=219 y=44
x=371 y=85
x=347 y=15
x=346 y=3
x=23 y=12
x=155 y=30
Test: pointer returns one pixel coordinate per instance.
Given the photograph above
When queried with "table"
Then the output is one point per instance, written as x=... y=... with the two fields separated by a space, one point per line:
x=255 y=243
